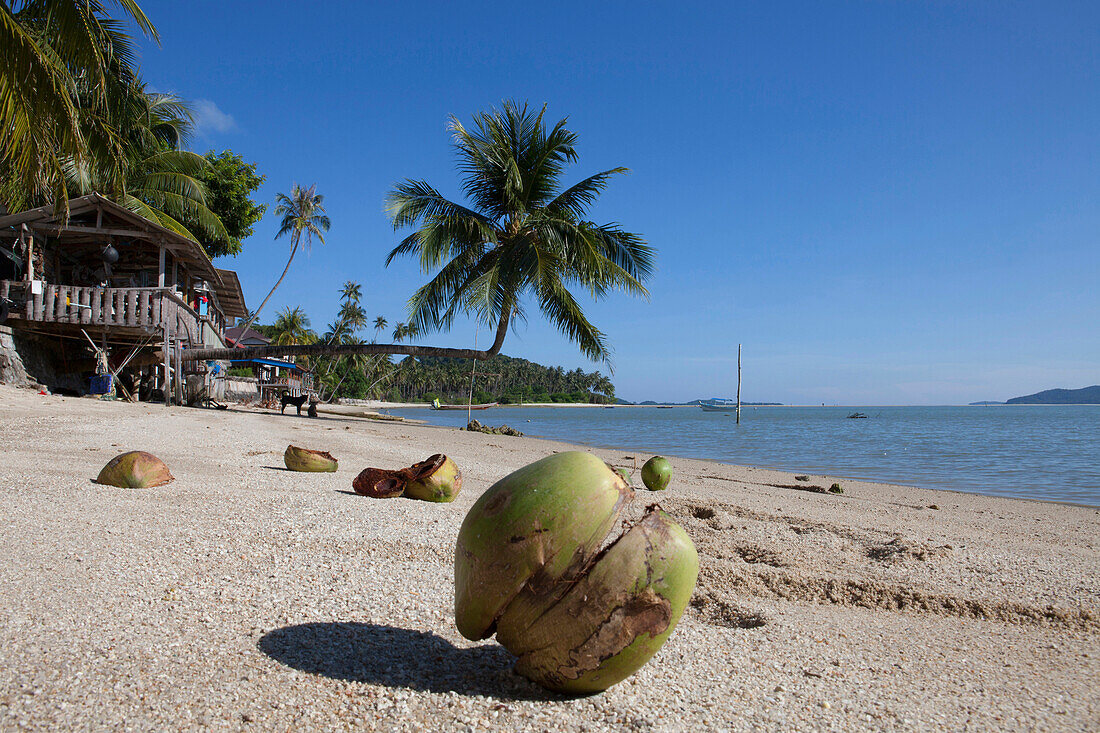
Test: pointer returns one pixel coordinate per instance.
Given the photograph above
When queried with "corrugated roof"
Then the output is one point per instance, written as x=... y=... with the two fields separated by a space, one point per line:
x=272 y=362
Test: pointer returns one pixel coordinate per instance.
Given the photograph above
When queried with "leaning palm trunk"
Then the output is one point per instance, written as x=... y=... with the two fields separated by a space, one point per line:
x=256 y=313
x=262 y=352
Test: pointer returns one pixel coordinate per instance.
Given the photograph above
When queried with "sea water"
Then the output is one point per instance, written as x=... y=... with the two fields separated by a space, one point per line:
x=1049 y=452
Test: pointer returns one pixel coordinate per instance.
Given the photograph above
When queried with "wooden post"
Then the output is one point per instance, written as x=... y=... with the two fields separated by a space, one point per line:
x=160 y=268
x=143 y=310
x=50 y=310
x=470 y=400
x=179 y=372
x=30 y=258
x=738 y=384
x=175 y=271
x=166 y=385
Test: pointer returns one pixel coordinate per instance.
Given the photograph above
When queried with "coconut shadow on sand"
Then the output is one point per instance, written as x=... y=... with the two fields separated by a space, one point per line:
x=399 y=658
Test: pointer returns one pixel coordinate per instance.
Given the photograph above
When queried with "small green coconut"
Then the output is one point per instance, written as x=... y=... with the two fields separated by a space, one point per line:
x=533 y=566
x=311 y=461
x=435 y=479
x=135 y=470
x=657 y=473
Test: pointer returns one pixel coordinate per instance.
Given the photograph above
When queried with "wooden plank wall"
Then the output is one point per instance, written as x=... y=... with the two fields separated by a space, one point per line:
x=150 y=309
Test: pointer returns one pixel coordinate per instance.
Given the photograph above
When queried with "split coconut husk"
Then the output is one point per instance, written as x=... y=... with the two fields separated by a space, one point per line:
x=436 y=478
x=135 y=470
x=311 y=461
x=379 y=483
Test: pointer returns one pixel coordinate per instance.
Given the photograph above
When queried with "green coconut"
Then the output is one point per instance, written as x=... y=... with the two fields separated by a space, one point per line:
x=312 y=461
x=541 y=523
x=618 y=614
x=135 y=470
x=435 y=479
x=657 y=473
x=529 y=567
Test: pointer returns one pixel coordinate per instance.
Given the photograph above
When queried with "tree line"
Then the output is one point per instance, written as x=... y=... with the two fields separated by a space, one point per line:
x=421 y=379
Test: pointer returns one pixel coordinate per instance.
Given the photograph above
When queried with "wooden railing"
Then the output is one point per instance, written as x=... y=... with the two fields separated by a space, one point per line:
x=150 y=309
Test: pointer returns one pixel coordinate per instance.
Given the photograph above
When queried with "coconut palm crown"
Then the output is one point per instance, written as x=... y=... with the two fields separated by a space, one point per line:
x=522 y=236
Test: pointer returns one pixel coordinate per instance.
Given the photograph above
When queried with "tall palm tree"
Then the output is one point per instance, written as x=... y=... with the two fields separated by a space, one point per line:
x=351 y=291
x=48 y=46
x=302 y=213
x=521 y=236
x=379 y=325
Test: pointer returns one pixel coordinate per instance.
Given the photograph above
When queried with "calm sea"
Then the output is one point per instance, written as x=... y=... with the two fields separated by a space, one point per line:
x=1034 y=451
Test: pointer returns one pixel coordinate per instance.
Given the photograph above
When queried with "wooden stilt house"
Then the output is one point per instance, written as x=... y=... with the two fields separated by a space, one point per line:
x=116 y=293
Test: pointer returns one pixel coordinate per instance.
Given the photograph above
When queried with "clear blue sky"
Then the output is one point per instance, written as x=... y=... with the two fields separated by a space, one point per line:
x=885 y=202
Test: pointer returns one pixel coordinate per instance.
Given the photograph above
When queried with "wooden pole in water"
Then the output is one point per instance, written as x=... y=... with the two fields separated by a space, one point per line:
x=470 y=398
x=738 y=384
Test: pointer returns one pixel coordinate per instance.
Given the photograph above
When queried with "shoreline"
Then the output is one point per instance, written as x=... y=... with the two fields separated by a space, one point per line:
x=382 y=405
x=242 y=593
x=818 y=470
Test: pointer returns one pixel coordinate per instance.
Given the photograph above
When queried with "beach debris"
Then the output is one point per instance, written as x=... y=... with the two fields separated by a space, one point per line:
x=625 y=475
x=836 y=489
x=135 y=470
x=532 y=566
x=656 y=473
x=313 y=461
x=801 y=478
x=476 y=427
x=379 y=483
x=434 y=479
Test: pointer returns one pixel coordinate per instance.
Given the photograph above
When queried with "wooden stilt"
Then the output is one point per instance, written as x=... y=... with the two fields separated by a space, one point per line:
x=179 y=372
x=166 y=383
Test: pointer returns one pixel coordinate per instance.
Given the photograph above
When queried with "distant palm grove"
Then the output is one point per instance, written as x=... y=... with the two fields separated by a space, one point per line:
x=358 y=376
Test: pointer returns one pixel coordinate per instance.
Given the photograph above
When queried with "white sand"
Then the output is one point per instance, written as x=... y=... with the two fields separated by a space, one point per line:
x=243 y=596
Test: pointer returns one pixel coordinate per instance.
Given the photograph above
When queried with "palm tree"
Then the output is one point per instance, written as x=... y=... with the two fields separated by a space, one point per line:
x=151 y=175
x=291 y=328
x=47 y=47
x=302 y=213
x=379 y=325
x=351 y=291
x=521 y=236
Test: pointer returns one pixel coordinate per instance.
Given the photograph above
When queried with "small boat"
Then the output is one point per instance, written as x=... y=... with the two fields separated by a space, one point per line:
x=718 y=404
x=436 y=405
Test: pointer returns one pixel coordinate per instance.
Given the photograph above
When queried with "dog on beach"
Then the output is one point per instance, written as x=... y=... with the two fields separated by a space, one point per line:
x=285 y=399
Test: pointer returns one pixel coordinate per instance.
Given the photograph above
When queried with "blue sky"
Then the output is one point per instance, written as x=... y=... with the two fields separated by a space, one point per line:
x=885 y=202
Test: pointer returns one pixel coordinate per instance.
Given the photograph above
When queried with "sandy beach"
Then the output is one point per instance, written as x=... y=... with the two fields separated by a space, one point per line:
x=246 y=597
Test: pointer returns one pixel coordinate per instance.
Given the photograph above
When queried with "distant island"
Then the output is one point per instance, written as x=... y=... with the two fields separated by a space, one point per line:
x=1083 y=396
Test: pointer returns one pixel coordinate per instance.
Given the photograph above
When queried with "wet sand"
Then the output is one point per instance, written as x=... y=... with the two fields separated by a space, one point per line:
x=243 y=596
